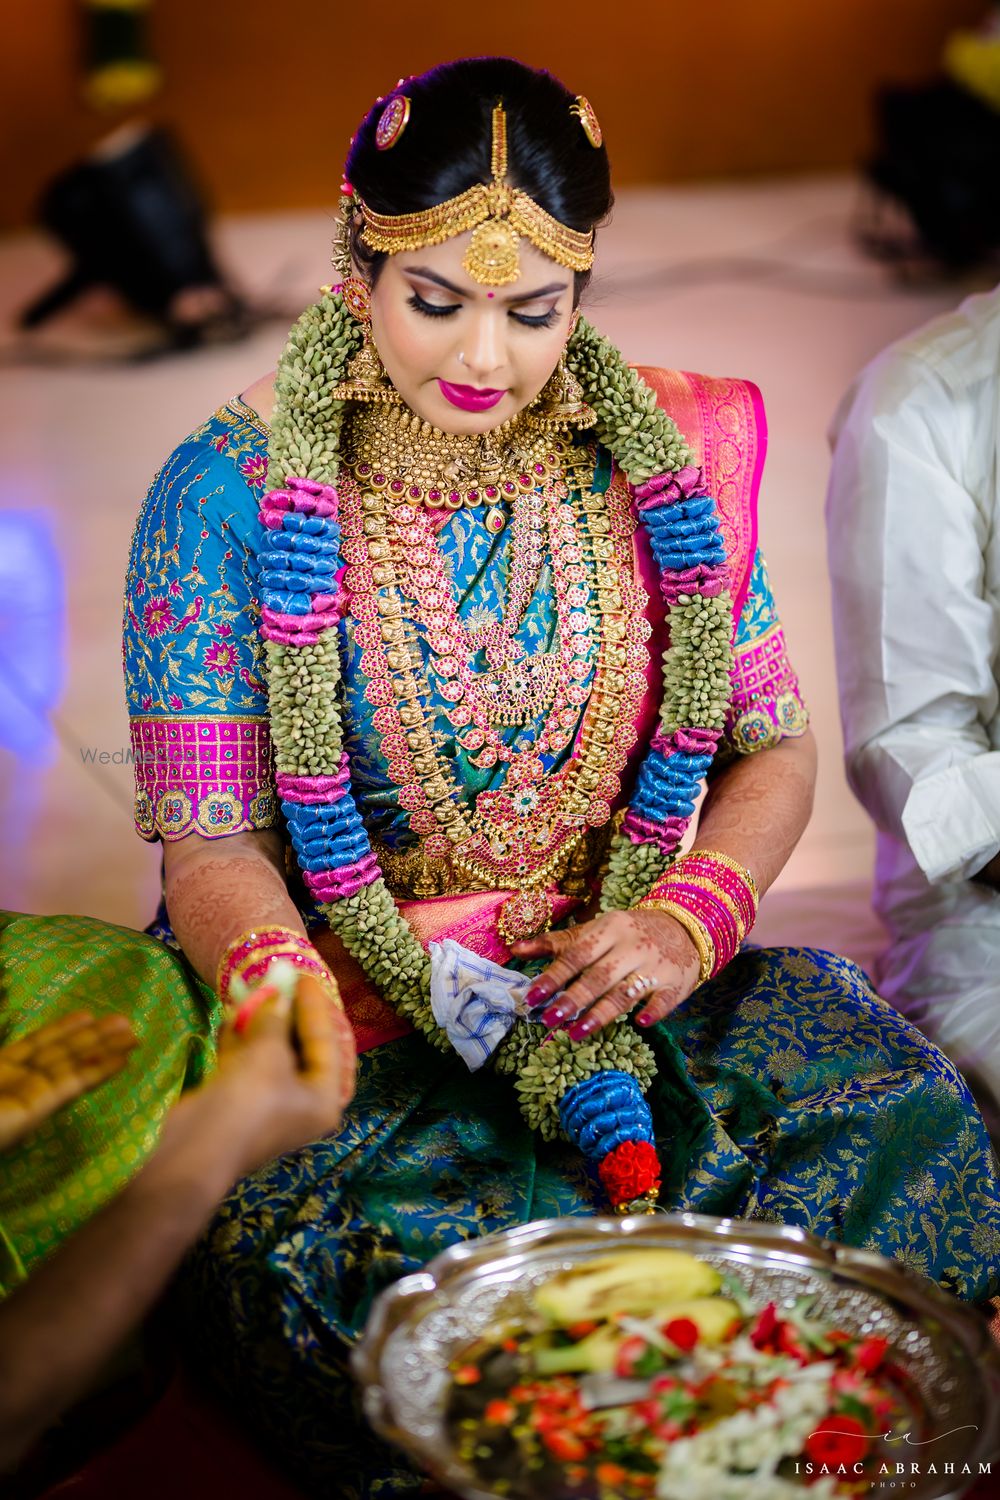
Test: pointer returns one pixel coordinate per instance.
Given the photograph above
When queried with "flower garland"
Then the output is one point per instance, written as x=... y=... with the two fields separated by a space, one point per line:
x=592 y=1092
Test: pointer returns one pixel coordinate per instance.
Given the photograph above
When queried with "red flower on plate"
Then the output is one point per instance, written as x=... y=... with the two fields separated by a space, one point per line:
x=837 y=1440
x=765 y=1328
x=683 y=1332
x=870 y=1353
x=630 y=1351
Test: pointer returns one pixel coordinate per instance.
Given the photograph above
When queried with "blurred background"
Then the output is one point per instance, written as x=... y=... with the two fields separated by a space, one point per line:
x=780 y=216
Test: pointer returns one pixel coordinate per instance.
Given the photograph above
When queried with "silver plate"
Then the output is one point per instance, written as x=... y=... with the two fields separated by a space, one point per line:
x=424 y=1321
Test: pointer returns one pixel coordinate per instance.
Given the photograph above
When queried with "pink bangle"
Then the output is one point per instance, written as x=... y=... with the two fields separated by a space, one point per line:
x=257 y=968
x=718 y=892
x=236 y=952
x=724 y=874
x=727 y=872
x=714 y=914
x=737 y=894
x=686 y=880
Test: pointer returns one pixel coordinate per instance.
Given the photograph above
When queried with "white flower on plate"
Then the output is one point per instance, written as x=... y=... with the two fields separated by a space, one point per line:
x=736 y=1458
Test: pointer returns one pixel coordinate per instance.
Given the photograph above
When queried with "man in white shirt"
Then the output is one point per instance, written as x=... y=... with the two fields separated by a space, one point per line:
x=913 y=523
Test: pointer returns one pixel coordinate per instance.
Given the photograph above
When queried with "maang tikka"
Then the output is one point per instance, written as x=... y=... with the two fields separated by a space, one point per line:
x=498 y=214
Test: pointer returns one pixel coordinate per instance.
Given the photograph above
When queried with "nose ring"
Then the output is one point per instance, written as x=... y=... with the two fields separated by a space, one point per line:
x=461 y=357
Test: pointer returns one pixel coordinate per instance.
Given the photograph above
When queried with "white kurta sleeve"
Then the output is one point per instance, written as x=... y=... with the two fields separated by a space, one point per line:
x=916 y=637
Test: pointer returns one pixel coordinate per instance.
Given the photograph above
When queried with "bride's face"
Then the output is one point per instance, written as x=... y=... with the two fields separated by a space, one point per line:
x=467 y=357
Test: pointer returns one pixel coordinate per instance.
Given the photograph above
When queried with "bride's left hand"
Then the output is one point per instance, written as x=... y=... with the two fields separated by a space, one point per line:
x=602 y=969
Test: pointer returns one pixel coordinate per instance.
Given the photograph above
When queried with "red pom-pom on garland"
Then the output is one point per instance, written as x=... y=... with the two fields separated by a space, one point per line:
x=631 y=1170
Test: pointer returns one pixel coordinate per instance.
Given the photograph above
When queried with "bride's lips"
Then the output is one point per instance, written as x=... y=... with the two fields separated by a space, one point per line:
x=469 y=397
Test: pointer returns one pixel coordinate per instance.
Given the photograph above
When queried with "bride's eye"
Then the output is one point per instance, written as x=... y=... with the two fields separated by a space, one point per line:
x=431 y=309
x=537 y=320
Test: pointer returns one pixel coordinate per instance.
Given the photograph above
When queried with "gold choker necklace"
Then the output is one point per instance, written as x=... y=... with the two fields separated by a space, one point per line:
x=394 y=452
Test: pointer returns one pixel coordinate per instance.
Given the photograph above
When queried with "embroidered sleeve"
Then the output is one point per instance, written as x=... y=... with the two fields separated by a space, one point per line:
x=766 y=706
x=193 y=661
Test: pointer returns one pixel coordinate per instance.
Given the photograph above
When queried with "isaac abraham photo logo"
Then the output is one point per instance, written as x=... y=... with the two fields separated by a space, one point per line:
x=895 y=1474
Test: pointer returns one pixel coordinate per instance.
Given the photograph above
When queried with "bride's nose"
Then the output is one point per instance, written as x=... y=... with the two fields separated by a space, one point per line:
x=485 y=351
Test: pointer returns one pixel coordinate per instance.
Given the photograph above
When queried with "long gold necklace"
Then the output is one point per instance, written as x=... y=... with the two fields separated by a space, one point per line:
x=396 y=453
x=520 y=835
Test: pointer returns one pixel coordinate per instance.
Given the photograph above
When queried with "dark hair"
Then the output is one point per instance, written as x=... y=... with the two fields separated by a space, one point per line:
x=445 y=148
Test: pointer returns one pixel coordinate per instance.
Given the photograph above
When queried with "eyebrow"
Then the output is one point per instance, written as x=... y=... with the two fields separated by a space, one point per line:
x=544 y=291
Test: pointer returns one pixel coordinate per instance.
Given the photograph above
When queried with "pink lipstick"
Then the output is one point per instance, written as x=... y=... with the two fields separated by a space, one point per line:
x=469 y=397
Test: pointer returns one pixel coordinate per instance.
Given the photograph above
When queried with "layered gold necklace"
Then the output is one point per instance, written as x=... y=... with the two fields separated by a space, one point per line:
x=523 y=834
x=394 y=452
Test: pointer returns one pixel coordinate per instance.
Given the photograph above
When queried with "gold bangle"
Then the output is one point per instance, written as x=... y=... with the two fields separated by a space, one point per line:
x=696 y=931
x=729 y=862
x=329 y=983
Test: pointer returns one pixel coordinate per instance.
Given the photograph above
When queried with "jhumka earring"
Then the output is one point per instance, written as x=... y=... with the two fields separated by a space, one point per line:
x=562 y=399
x=366 y=378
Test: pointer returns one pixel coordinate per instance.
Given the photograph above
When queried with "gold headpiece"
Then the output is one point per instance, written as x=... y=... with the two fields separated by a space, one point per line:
x=498 y=213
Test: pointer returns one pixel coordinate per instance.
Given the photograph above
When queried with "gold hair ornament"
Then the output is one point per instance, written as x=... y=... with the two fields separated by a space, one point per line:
x=591 y=125
x=392 y=122
x=498 y=214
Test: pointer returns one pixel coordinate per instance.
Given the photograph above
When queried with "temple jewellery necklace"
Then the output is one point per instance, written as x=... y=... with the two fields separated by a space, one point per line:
x=515 y=837
x=518 y=686
x=394 y=452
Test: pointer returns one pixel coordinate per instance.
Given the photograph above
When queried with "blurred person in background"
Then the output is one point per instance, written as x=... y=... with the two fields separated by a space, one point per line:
x=913 y=517
x=132 y=222
x=936 y=160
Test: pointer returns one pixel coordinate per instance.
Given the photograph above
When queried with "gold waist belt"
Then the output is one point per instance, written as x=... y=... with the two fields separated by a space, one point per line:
x=412 y=874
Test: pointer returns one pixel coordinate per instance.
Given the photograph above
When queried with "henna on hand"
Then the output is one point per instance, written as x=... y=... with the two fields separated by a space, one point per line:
x=603 y=968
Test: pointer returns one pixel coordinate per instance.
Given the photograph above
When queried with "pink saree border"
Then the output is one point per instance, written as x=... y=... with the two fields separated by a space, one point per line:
x=724 y=422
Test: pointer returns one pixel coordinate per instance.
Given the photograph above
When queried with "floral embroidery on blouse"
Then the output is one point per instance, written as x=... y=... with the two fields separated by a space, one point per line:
x=190 y=638
x=766 y=706
x=192 y=656
x=194 y=661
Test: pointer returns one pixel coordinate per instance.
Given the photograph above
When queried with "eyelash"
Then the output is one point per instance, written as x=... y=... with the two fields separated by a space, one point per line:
x=428 y=310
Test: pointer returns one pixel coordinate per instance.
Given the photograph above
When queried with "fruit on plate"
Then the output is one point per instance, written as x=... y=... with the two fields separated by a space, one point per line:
x=641 y=1279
